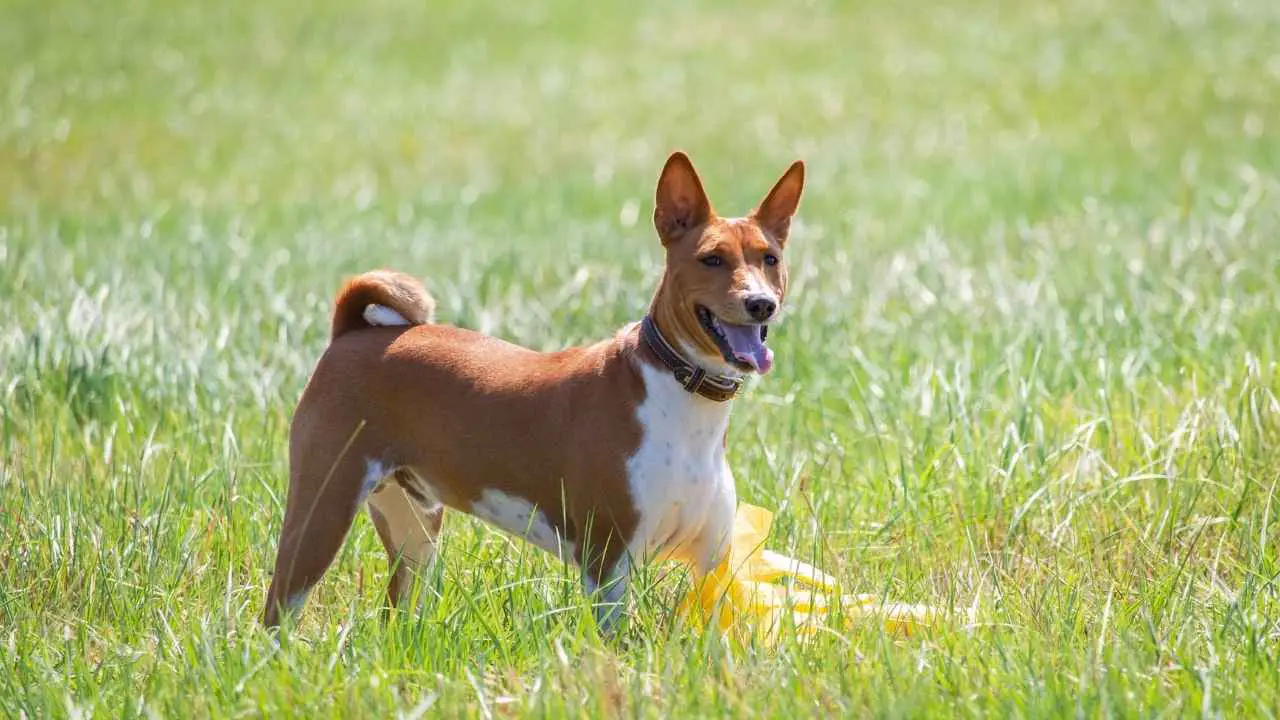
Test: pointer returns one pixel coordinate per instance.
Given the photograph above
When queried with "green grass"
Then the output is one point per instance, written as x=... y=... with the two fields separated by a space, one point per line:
x=1028 y=367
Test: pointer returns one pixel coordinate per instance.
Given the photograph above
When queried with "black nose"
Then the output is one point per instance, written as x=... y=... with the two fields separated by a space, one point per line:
x=761 y=307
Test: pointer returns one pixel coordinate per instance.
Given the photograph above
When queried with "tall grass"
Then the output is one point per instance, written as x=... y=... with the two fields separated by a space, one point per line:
x=1027 y=367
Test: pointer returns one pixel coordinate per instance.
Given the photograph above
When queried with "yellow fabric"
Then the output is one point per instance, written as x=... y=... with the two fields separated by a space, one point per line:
x=741 y=594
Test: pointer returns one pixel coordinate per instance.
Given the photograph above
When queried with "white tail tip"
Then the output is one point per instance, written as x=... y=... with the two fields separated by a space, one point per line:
x=381 y=315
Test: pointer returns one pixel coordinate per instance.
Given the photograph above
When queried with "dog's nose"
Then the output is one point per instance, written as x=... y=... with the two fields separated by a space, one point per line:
x=761 y=307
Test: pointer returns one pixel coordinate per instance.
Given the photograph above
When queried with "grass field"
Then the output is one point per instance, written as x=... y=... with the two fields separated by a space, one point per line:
x=1028 y=368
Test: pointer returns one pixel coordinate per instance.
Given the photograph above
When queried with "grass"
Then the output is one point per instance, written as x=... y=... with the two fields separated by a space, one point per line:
x=1029 y=362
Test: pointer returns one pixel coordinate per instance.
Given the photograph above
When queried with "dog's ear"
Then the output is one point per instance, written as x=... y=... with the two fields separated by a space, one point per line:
x=775 y=211
x=681 y=204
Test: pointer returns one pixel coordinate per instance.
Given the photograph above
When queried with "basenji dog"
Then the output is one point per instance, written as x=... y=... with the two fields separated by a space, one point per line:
x=607 y=455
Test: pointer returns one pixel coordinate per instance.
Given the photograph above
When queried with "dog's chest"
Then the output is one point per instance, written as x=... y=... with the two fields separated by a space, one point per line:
x=681 y=487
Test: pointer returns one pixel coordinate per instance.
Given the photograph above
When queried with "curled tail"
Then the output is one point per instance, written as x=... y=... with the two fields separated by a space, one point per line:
x=380 y=298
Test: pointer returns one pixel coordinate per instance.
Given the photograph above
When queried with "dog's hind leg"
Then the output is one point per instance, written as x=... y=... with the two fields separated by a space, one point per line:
x=408 y=520
x=323 y=499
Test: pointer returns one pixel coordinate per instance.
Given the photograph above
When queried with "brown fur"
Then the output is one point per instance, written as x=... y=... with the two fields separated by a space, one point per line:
x=467 y=412
x=389 y=288
x=690 y=229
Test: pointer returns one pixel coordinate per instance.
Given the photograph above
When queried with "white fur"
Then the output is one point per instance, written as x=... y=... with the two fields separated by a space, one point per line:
x=381 y=315
x=519 y=517
x=757 y=284
x=682 y=487
x=294 y=603
x=609 y=604
x=374 y=473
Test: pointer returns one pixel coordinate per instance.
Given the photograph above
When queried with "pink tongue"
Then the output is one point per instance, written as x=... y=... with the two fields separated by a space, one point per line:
x=747 y=346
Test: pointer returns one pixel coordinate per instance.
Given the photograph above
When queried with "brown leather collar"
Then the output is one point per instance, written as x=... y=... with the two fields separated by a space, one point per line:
x=694 y=379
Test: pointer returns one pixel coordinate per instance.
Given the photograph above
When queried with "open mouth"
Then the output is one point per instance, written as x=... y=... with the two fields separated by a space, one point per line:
x=741 y=345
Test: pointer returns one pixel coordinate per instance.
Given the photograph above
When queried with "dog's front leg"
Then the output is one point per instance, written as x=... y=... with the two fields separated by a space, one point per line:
x=608 y=591
x=713 y=543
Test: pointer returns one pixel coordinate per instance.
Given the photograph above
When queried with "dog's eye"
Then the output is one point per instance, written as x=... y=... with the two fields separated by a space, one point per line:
x=711 y=260
x=770 y=259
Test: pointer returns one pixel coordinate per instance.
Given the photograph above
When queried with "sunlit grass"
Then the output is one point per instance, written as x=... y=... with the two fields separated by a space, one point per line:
x=1028 y=364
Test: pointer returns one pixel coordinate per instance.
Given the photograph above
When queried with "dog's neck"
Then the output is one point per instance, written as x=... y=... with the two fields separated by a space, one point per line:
x=682 y=330
x=691 y=374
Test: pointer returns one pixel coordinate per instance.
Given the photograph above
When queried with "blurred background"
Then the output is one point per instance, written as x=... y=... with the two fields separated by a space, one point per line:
x=194 y=147
x=548 y=114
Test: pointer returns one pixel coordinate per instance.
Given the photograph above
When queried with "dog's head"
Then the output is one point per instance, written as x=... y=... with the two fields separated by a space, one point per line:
x=725 y=278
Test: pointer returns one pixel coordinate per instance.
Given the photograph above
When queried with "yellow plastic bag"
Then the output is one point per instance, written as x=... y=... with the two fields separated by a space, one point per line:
x=741 y=593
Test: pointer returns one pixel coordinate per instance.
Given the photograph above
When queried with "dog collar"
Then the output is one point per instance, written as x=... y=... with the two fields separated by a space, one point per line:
x=692 y=377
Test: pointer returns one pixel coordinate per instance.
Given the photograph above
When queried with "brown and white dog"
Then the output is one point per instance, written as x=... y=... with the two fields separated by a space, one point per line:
x=607 y=455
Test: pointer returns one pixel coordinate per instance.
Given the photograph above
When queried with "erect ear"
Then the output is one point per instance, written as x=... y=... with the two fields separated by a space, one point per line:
x=681 y=204
x=775 y=211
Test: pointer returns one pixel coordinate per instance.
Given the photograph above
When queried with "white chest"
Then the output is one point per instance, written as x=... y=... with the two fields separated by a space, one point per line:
x=680 y=483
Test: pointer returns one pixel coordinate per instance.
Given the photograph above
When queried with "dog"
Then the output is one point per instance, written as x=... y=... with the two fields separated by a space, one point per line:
x=607 y=455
